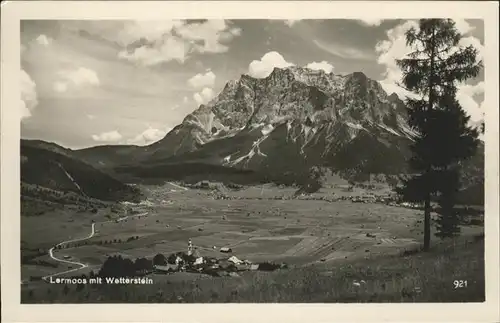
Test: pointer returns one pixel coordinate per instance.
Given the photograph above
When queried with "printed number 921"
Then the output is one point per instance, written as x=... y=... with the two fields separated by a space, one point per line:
x=459 y=283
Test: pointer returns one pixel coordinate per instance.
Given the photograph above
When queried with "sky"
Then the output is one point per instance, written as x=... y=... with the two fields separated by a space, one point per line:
x=87 y=82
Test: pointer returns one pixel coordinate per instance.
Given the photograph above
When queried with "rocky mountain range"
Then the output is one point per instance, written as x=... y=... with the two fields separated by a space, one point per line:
x=272 y=129
x=291 y=119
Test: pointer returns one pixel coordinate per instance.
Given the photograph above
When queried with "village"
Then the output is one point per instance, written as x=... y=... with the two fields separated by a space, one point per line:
x=190 y=261
x=193 y=261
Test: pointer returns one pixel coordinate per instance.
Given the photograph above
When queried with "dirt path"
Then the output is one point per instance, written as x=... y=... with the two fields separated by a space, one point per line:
x=81 y=265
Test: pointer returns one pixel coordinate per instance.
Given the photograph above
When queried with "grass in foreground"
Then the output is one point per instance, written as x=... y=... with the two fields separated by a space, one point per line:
x=411 y=277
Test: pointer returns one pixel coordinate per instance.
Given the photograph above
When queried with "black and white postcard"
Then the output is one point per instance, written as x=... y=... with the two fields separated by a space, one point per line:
x=249 y=161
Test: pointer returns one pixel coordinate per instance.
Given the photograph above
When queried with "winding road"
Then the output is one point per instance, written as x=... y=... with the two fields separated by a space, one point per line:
x=81 y=265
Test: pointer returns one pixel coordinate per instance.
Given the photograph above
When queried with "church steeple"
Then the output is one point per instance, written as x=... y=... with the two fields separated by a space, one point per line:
x=190 y=247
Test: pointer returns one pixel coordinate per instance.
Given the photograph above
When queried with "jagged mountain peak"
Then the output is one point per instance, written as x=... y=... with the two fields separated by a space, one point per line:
x=304 y=99
x=292 y=94
x=295 y=111
x=326 y=82
x=297 y=73
x=359 y=75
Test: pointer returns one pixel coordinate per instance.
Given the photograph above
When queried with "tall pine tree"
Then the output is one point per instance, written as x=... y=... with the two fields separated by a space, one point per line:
x=432 y=72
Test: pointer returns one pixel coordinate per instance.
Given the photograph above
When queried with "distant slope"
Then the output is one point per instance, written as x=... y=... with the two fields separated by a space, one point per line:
x=50 y=146
x=51 y=166
x=108 y=156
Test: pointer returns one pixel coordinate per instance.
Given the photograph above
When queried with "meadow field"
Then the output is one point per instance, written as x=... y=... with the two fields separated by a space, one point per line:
x=259 y=224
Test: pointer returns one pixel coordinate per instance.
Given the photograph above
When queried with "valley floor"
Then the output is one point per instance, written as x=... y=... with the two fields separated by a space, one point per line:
x=331 y=247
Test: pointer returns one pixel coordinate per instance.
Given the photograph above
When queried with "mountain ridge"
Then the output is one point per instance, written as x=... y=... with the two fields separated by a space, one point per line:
x=291 y=94
x=54 y=167
x=303 y=114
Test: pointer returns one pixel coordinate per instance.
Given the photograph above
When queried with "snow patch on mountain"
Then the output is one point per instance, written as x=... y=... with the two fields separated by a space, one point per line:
x=354 y=125
x=227 y=159
x=255 y=150
x=267 y=129
x=389 y=129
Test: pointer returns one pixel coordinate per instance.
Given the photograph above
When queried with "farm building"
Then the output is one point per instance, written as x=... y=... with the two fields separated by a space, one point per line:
x=235 y=260
x=178 y=260
x=226 y=250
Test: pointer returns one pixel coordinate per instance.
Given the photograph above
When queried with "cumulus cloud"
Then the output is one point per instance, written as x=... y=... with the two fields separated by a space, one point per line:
x=263 y=67
x=202 y=80
x=148 y=136
x=43 y=40
x=36 y=43
x=173 y=48
x=465 y=97
x=463 y=26
x=472 y=90
x=78 y=77
x=204 y=96
x=185 y=100
x=110 y=136
x=173 y=40
x=323 y=65
x=392 y=49
x=82 y=76
x=207 y=37
x=29 y=98
x=150 y=30
x=290 y=22
x=395 y=48
x=371 y=22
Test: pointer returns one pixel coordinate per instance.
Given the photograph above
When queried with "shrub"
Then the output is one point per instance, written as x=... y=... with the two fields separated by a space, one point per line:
x=160 y=259
x=268 y=266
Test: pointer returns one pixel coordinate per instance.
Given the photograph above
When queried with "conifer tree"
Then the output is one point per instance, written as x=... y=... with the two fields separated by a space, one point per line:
x=458 y=142
x=432 y=72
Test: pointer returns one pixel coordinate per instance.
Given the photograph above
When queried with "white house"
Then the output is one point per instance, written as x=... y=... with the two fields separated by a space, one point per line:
x=235 y=260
